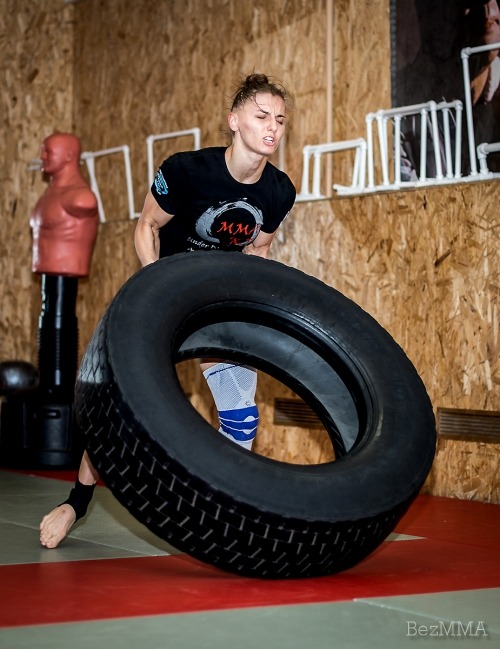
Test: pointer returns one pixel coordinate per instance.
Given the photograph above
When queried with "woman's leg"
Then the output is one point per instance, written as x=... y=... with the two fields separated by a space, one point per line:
x=233 y=389
x=56 y=525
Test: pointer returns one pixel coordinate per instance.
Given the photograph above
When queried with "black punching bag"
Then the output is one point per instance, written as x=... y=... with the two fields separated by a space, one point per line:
x=58 y=338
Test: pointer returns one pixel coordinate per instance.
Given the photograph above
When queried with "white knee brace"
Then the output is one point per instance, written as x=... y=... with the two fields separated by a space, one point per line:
x=233 y=388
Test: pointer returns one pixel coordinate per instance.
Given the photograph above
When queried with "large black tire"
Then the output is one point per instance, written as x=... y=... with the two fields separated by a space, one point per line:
x=205 y=495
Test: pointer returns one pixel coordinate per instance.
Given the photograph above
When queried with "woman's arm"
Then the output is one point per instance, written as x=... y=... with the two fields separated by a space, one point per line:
x=146 y=236
x=260 y=245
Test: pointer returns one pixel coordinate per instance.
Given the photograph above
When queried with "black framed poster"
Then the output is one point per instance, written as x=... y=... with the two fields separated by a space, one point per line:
x=428 y=37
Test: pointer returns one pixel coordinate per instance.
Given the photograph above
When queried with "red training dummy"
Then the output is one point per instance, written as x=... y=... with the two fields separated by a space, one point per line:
x=65 y=218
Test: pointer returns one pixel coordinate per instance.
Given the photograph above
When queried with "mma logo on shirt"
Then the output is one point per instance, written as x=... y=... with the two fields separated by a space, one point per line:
x=233 y=223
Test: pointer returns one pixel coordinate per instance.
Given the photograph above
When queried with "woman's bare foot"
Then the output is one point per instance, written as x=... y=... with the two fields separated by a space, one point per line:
x=56 y=525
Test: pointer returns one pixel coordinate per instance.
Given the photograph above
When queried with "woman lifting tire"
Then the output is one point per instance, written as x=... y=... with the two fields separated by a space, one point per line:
x=212 y=499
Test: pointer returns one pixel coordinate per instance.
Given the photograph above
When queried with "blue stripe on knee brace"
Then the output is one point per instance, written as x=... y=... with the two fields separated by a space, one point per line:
x=241 y=423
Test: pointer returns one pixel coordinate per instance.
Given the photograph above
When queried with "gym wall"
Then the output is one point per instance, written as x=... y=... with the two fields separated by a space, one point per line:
x=424 y=263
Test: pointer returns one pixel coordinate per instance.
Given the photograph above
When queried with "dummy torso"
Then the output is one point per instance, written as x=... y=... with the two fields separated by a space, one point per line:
x=65 y=218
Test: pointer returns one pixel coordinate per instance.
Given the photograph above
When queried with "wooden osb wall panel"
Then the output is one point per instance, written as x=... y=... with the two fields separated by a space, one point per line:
x=361 y=71
x=114 y=261
x=466 y=470
x=362 y=55
x=36 y=67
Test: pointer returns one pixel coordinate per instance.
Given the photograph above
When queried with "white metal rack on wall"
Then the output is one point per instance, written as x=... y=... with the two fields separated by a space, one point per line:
x=378 y=164
x=89 y=158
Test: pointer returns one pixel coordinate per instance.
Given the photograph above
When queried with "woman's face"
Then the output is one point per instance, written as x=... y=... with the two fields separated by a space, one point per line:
x=259 y=123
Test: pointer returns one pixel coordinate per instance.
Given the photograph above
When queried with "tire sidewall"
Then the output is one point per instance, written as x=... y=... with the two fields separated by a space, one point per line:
x=153 y=314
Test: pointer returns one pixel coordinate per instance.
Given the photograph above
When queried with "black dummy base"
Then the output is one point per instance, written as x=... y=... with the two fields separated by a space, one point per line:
x=37 y=425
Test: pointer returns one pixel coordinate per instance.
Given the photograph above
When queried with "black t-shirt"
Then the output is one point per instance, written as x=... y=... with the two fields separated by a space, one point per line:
x=213 y=211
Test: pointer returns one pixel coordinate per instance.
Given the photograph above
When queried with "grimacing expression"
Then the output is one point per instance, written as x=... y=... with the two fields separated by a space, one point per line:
x=260 y=122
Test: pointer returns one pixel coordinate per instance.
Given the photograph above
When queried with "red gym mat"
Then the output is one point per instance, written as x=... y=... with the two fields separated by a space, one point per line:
x=460 y=552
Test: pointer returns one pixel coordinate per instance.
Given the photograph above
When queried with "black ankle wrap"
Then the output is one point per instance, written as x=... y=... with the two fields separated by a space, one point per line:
x=79 y=498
